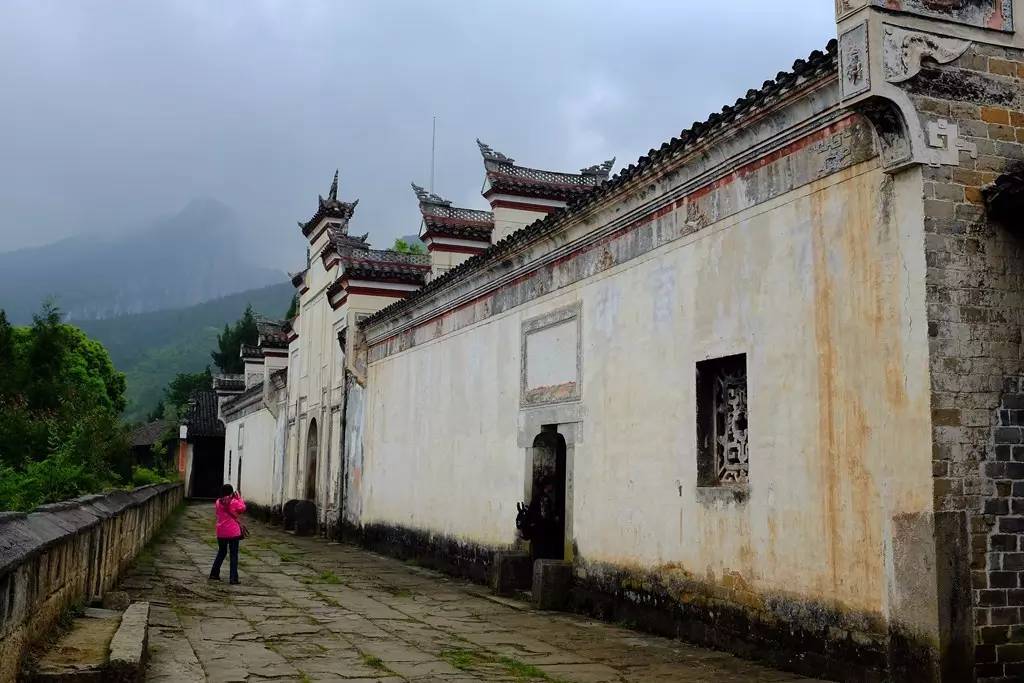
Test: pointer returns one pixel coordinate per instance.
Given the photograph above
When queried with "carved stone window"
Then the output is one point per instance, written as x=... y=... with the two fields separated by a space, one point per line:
x=722 y=446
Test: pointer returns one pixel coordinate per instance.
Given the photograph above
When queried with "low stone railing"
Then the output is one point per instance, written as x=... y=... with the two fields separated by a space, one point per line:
x=67 y=553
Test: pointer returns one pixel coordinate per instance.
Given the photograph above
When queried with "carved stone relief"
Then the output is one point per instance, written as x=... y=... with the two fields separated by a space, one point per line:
x=904 y=50
x=846 y=7
x=893 y=136
x=945 y=136
x=991 y=14
x=731 y=456
x=854 y=69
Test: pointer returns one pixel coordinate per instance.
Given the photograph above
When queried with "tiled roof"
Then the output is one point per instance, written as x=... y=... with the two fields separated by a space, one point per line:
x=817 y=65
x=147 y=434
x=344 y=243
x=331 y=207
x=249 y=351
x=441 y=218
x=462 y=232
x=378 y=270
x=229 y=382
x=503 y=175
x=272 y=334
x=201 y=416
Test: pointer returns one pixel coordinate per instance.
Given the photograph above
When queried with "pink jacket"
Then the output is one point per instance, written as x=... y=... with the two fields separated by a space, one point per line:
x=227 y=510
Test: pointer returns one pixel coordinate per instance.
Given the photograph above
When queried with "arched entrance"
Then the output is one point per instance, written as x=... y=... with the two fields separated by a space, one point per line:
x=547 y=497
x=312 y=445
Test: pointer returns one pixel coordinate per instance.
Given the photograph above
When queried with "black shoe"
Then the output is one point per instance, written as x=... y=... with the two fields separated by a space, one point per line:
x=213 y=578
x=234 y=582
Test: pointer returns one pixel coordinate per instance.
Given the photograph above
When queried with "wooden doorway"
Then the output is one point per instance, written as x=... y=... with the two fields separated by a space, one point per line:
x=312 y=447
x=548 y=499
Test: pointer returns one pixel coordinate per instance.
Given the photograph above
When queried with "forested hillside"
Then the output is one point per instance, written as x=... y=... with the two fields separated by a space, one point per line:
x=151 y=348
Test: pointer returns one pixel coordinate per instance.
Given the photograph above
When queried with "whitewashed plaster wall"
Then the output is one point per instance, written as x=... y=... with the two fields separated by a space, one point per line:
x=824 y=293
x=255 y=451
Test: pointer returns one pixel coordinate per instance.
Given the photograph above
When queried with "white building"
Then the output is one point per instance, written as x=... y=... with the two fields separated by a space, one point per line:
x=763 y=389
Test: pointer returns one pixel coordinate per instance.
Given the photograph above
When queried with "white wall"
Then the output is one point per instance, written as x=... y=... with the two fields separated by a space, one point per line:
x=827 y=302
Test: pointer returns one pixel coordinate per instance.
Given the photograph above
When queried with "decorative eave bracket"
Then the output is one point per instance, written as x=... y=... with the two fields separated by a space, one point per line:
x=876 y=57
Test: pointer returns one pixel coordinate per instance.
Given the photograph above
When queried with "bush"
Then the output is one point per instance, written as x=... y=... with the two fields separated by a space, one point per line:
x=143 y=476
x=51 y=480
x=60 y=434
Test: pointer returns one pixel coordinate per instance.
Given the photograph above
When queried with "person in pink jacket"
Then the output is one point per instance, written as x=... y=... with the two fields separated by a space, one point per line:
x=229 y=530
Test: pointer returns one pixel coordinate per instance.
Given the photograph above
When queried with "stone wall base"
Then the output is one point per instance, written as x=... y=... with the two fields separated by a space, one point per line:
x=449 y=555
x=809 y=638
x=814 y=639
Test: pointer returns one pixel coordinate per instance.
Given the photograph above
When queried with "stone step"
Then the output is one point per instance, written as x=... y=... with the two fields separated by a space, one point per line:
x=101 y=645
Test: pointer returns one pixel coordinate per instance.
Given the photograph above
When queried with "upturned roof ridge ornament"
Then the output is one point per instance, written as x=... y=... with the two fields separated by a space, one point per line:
x=333 y=194
x=490 y=154
x=429 y=197
x=602 y=169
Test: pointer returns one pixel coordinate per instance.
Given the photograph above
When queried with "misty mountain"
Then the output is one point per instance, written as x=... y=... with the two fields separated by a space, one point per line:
x=193 y=256
x=151 y=348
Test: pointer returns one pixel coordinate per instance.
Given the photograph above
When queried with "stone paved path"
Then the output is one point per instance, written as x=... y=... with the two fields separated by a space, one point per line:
x=309 y=610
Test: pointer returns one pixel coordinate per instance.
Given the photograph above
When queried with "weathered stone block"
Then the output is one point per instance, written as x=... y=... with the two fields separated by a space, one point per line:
x=118 y=600
x=288 y=514
x=512 y=571
x=128 y=647
x=304 y=517
x=552 y=581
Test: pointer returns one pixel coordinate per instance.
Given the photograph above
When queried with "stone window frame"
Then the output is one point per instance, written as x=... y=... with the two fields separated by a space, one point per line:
x=542 y=322
x=710 y=486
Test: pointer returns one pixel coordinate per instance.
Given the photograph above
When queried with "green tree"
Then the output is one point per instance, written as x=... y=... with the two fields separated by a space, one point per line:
x=293 y=308
x=60 y=400
x=180 y=389
x=230 y=342
x=403 y=247
x=157 y=413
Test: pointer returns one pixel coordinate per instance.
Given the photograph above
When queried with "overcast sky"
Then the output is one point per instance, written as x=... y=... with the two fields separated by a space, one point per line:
x=115 y=113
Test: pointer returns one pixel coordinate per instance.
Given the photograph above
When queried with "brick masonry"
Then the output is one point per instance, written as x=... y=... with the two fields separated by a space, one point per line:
x=975 y=294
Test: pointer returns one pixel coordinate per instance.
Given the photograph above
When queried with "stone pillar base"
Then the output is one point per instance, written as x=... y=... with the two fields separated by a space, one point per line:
x=512 y=572
x=552 y=580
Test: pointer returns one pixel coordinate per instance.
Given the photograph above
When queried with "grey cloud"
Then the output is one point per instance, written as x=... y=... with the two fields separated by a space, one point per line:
x=115 y=112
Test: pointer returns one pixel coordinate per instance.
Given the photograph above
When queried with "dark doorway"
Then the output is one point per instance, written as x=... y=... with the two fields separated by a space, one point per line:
x=547 y=498
x=207 y=467
x=311 y=451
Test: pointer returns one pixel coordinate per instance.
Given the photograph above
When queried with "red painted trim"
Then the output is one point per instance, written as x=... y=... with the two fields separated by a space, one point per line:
x=277 y=353
x=303 y=290
x=522 y=206
x=389 y=280
x=789 y=149
x=375 y=291
x=314 y=238
x=340 y=303
x=455 y=248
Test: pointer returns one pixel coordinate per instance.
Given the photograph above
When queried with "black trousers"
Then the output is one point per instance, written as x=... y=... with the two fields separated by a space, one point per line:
x=223 y=545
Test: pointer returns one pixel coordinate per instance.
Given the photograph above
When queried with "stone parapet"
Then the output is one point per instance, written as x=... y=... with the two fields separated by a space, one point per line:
x=67 y=553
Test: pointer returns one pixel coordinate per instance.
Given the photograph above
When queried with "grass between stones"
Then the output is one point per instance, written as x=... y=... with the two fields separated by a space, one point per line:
x=323 y=577
x=375 y=663
x=470 y=660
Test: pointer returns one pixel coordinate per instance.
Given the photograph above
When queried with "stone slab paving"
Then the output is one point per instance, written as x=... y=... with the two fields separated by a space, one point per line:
x=310 y=610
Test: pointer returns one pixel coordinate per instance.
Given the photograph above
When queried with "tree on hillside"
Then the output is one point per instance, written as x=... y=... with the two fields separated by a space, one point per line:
x=60 y=399
x=184 y=384
x=403 y=247
x=157 y=413
x=230 y=342
x=293 y=308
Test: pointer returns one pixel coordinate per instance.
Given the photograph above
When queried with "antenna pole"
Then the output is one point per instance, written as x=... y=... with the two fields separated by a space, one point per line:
x=433 y=150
